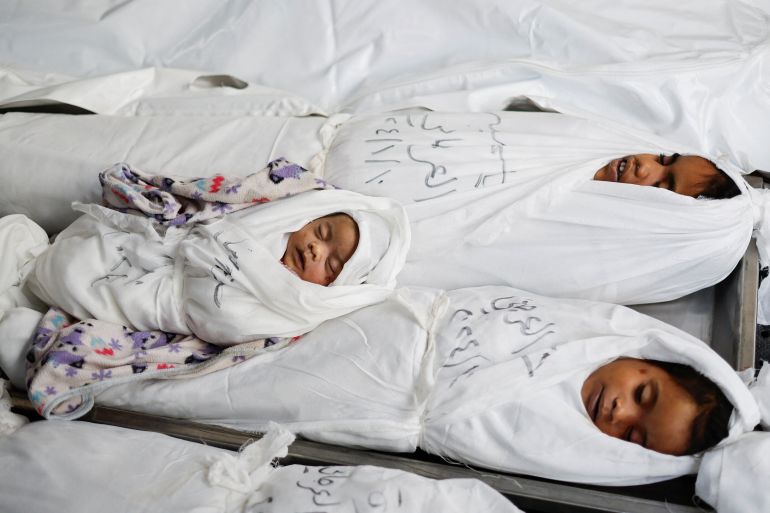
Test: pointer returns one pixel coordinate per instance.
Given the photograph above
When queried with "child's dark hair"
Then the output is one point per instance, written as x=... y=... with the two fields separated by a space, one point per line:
x=710 y=426
x=720 y=186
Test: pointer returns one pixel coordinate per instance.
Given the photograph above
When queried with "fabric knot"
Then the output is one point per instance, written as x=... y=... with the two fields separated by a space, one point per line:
x=247 y=472
x=759 y=200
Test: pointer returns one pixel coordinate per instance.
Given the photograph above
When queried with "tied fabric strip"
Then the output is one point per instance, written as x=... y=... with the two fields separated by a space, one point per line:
x=69 y=360
x=173 y=201
x=252 y=467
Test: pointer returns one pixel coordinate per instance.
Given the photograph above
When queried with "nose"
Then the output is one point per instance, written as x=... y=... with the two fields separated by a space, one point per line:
x=623 y=414
x=317 y=250
x=648 y=172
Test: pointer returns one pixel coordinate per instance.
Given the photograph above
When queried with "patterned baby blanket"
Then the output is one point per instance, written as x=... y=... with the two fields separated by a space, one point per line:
x=173 y=201
x=70 y=359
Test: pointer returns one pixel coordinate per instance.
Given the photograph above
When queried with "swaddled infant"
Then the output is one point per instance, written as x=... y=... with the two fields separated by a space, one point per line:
x=262 y=270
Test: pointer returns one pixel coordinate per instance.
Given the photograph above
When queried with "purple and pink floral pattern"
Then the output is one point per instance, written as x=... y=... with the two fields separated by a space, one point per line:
x=69 y=360
x=174 y=201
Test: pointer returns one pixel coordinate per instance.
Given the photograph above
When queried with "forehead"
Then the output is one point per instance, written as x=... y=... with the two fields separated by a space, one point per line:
x=693 y=174
x=343 y=224
x=669 y=425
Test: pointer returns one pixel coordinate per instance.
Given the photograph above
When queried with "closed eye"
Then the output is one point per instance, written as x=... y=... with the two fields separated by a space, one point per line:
x=639 y=394
x=667 y=160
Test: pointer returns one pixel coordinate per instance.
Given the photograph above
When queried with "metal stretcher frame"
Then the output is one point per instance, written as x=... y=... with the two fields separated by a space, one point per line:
x=733 y=336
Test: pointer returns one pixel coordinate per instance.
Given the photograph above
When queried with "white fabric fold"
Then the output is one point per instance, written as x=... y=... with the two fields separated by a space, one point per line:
x=222 y=280
x=733 y=477
x=508 y=198
x=760 y=389
x=92 y=468
x=260 y=287
x=246 y=472
x=21 y=241
x=151 y=91
x=509 y=368
x=450 y=372
x=9 y=421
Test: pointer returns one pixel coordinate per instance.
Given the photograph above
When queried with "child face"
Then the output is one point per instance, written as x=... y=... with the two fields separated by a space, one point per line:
x=683 y=174
x=318 y=251
x=635 y=401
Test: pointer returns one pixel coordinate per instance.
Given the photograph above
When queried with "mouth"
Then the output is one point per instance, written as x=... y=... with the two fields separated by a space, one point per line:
x=299 y=257
x=618 y=167
x=594 y=403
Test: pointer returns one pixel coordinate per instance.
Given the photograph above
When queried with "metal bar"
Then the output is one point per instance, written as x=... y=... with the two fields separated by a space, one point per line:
x=745 y=350
x=525 y=492
x=747 y=293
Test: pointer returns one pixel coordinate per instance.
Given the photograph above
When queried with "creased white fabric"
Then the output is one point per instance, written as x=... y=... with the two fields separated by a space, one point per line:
x=90 y=468
x=760 y=389
x=9 y=421
x=21 y=241
x=222 y=281
x=373 y=243
x=49 y=467
x=151 y=92
x=733 y=478
x=16 y=328
x=502 y=356
x=248 y=471
x=690 y=71
x=66 y=152
x=357 y=380
x=508 y=198
x=450 y=372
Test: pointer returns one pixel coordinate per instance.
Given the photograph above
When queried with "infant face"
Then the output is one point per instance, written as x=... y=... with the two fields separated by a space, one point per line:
x=688 y=175
x=635 y=401
x=318 y=251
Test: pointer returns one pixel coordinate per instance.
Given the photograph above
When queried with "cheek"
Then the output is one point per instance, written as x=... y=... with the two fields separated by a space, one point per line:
x=314 y=273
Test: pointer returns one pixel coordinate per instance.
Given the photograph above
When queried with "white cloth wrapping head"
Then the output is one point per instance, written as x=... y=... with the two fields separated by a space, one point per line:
x=450 y=372
x=374 y=239
x=510 y=366
x=222 y=281
x=508 y=198
x=733 y=477
x=260 y=287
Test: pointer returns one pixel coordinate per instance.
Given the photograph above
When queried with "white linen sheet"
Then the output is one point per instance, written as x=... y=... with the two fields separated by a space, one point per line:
x=221 y=280
x=733 y=479
x=487 y=376
x=508 y=198
x=91 y=468
x=65 y=153
x=691 y=71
